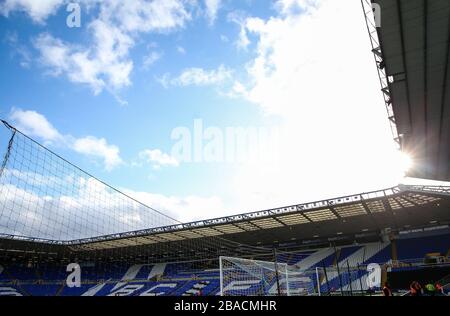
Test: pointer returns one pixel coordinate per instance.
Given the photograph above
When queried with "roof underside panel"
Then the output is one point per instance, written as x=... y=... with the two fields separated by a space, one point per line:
x=414 y=37
x=352 y=216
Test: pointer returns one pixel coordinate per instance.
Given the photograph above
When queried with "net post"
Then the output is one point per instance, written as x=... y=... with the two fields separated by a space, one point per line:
x=318 y=281
x=276 y=271
x=350 y=278
x=287 y=281
x=326 y=277
x=8 y=150
x=338 y=270
x=221 y=275
x=360 y=279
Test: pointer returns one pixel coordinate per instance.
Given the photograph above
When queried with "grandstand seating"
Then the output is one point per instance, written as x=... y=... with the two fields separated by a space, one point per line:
x=322 y=257
x=182 y=279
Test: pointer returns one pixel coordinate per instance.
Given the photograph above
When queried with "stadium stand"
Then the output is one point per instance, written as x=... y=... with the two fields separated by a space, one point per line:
x=182 y=279
x=322 y=257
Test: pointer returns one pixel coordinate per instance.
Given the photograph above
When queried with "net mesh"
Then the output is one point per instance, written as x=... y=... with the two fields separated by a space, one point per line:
x=44 y=196
x=343 y=280
x=52 y=214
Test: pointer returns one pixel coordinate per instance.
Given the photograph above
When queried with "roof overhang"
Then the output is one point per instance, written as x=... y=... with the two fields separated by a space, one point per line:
x=411 y=47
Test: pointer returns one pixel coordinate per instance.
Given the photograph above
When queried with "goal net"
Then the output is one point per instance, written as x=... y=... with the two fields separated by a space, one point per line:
x=343 y=280
x=246 y=277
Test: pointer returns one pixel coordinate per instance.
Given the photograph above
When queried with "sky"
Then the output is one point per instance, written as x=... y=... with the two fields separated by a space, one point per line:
x=202 y=108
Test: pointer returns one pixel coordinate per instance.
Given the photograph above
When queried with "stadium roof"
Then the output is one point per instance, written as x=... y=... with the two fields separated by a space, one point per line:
x=316 y=223
x=412 y=52
x=392 y=208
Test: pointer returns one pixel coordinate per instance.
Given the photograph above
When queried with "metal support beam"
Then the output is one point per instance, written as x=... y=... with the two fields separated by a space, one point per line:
x=379 y=60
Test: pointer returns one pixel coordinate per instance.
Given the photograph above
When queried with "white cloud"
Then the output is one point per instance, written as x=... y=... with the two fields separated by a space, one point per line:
x=105 y=63
x=35 y=125
x=292 y=7
x=198 y=77
x=18 y=50
x=38 y=10
x=99 y=148
x=146 y=15
x=313 y=68
x=151 y=58
x=243 y=40
x=212 y=7
x=158 y=159
x=185 y=209
x=238 y=18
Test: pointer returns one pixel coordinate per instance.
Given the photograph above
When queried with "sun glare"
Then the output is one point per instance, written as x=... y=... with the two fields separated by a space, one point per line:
x=405 y=162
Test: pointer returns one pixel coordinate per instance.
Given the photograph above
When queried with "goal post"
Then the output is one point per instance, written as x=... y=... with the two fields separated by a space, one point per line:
x=247 y=277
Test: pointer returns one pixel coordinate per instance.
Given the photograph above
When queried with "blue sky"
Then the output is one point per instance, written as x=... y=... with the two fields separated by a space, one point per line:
x=109 y=94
